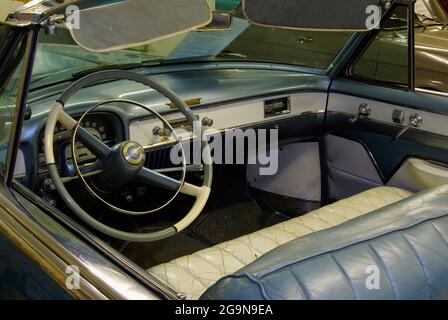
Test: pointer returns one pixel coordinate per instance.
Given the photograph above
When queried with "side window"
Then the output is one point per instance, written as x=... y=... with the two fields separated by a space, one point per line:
x=386 y=58
x=431 y=49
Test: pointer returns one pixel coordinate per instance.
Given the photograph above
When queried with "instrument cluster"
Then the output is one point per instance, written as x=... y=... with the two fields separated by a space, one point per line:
x=103 y=126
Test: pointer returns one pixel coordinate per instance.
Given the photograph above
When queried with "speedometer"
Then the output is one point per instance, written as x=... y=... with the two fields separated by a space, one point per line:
x=100 y=128
x=103 y=126
x=82 y=153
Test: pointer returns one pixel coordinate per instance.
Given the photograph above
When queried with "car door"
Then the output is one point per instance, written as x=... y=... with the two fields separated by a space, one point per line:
x=400 y=137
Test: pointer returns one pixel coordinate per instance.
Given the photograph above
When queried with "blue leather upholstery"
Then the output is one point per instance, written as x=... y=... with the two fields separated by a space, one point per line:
x=406 y=242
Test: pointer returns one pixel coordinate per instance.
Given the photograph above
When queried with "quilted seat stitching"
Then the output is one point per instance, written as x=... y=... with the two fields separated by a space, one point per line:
x=275 y=235
x=250 y=245
x=189 y=271
x=205 y=283
x=260 y=234
x=329 y=224
x=236 y=258
x=164 y=266
x=293 y=234
x=216 y=266
x=299 y=222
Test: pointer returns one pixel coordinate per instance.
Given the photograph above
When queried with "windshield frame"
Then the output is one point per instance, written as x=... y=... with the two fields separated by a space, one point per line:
x=28 y=35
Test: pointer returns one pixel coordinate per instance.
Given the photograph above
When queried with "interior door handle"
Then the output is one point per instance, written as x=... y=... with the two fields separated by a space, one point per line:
x=364 y=111
x=415 y=121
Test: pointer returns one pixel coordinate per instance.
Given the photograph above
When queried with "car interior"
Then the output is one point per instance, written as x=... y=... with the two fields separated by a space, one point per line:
x=354 y=151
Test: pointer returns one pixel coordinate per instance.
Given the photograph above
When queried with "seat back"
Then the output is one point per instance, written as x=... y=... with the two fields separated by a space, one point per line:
x=397 y=252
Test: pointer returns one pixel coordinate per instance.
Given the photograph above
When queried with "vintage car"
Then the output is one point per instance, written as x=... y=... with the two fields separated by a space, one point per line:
x=317 y=49
x=205 y=158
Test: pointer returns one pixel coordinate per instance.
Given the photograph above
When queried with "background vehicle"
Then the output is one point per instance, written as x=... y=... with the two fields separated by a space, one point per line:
x=384 y=60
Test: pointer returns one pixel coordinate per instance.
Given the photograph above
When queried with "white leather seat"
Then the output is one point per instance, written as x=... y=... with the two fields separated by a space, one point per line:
x=193 y=274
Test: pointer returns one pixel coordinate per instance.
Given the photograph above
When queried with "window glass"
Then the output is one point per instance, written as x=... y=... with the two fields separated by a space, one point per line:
x=313 y=49
x=58 y=57
x=386 y=58
x=431 y=48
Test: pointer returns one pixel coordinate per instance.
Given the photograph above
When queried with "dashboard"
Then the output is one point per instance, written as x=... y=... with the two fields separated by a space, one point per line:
x=148 y=131
x=225 y=99
x=111 y=128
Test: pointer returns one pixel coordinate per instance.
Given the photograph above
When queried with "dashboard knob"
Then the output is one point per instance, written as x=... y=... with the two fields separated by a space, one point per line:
x=206 y=121
x=161 y=132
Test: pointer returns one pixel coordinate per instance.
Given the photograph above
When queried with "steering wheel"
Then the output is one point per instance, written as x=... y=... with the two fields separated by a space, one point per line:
x=125 y=160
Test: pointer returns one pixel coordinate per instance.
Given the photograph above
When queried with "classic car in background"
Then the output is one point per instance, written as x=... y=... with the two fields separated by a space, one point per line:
x=232 y=153
x=384 y=60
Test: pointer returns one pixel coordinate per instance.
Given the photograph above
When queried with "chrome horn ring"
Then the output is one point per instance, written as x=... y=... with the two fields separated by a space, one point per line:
x=138 y=161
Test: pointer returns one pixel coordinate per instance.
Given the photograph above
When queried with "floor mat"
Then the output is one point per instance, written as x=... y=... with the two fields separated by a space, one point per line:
x=231 y=222
x=231 y=212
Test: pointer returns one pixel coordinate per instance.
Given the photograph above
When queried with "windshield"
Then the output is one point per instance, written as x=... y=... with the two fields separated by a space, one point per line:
x=59 y=58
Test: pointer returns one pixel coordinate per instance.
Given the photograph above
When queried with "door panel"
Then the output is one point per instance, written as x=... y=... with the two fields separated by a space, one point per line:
x=346 y=96
x=417 y=174
x=351 y=168
x=370 y=143
x=298 y=174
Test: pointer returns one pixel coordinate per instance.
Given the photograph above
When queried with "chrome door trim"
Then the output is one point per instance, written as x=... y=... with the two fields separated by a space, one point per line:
x=99 y=279
x=437 y=93
x=71 y=227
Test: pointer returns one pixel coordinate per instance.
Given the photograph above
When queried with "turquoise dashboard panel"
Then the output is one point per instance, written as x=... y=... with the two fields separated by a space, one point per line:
x=214 y=85
x=227 y=5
